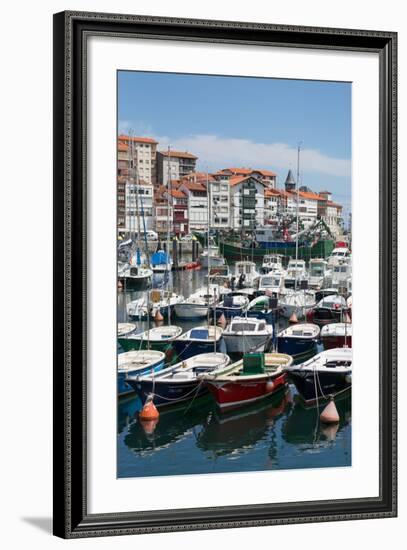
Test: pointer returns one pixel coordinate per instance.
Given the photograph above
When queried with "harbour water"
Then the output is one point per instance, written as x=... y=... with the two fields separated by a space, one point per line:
x=276 y=433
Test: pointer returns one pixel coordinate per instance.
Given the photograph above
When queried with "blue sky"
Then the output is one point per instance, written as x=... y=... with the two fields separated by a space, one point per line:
x=252 y=122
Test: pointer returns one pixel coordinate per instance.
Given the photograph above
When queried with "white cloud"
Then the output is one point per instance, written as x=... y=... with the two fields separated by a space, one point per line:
x=217 y=152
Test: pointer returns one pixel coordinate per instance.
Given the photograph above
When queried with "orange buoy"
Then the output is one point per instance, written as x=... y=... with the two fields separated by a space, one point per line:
x=221 y=321
x=330 y=414
x=158 y=316
x=149 y=411
x=293 y=319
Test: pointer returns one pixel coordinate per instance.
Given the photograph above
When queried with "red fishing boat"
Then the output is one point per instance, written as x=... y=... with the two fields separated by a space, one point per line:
x=254 y=377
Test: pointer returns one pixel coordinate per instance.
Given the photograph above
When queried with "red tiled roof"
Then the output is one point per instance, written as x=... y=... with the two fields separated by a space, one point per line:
x=177 y=193
x=123 y=137
x=330 y=203
x=234 y=180
x=246 y=171
x=266 y=172
x=178 y=154
x=194 y=186
x=313 y=196
x=271 y=192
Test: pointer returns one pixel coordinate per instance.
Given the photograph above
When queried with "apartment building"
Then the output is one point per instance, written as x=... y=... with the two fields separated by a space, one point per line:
x=143 y=151
x=174 y=165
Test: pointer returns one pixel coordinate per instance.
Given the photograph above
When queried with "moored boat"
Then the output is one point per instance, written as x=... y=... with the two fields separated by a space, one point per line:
x=296 y=274
x=331 y=309
x=196 y=306
x=261 y=308
x=135 y=277
x=134 y=363
x=336 y=335
x=327 y=374
x=271 y=283
x=123 y=329
x=232 y=305
x=244 y=335
x=161 y=262
x=157 y=338
x=298 y=302
x=246 y=274
x=251 y=379
x=272 y=262
x=203 y=339
x=178 y=383
x=298 y=340
x=211 y=257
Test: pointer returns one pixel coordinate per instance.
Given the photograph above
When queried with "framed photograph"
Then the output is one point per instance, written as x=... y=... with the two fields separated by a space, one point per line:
x=224 y=248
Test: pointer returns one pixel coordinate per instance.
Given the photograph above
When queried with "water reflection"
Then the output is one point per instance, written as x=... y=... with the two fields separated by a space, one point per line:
x=303 y=427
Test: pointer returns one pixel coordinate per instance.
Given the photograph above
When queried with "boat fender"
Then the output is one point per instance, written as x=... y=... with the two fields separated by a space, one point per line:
x=348 y=378
x=149 y=411
x=293 y=319
x=158 y=316
x=269 y=385
x=330 y=414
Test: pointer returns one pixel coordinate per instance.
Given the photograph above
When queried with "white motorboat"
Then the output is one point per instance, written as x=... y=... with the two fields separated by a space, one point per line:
x=272 y=262
x=342 y=276
x=196 y=306
x=272 y=283
x=319 y=274
x=339 y=256
x=135 y=277
x=158 y=299
x=163 y=301
x=298 y=302
x=296 y=274
x=244 y=335
x=246 y=274
x=137 y=309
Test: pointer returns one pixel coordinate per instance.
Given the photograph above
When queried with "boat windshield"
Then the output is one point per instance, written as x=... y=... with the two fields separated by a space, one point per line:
x=242 y=327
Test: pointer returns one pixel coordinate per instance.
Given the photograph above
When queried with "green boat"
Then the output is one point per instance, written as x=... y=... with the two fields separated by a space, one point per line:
x=236 y=251
x=157 y=338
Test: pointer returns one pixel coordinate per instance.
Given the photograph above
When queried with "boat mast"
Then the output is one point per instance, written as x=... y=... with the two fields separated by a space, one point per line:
x=167 y=259
x=298 y=200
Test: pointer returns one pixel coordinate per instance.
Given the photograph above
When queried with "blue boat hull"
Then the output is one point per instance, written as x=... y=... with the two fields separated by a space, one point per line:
x=228 y=312
x=166 y=394
x=123 y=388
x=296 y=347
x=266 y=315
x=187 y=348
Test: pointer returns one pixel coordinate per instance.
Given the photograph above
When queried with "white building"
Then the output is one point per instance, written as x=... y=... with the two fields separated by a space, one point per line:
x=143 y=151
x=219 y=190
x=143 y=207
x=197 y=205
